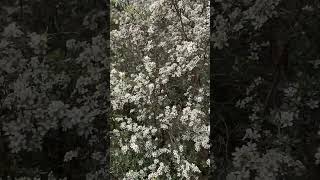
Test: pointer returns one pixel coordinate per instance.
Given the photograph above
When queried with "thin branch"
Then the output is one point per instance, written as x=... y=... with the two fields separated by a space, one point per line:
x=273 y=88
x=180 y=18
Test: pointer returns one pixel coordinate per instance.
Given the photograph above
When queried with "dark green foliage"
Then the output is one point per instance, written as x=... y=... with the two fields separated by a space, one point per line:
x=53 y=95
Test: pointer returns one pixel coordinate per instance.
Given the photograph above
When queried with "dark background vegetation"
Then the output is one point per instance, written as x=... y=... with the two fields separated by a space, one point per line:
x=61 y=20
x=298 y=29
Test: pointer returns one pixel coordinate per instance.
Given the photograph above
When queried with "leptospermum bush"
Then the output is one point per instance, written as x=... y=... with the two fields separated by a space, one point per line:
x=275 y=139
x=53 y=75
x=160 y=89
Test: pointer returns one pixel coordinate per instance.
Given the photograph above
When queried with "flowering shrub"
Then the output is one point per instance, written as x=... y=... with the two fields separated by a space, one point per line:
x=160 y=89
x=54 y=95
x=53 y=90
x=266 y=116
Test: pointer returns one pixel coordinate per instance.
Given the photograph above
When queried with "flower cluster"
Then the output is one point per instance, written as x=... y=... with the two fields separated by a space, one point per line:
x=160 y=89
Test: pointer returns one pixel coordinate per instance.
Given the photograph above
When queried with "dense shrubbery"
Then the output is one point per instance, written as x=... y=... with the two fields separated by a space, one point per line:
x=53 y=73
x=160 y=89
x=267 y=89
x=265 y=86
x=54 y=89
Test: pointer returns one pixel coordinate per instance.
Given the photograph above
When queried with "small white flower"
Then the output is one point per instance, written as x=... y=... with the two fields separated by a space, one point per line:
x=124 y=149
